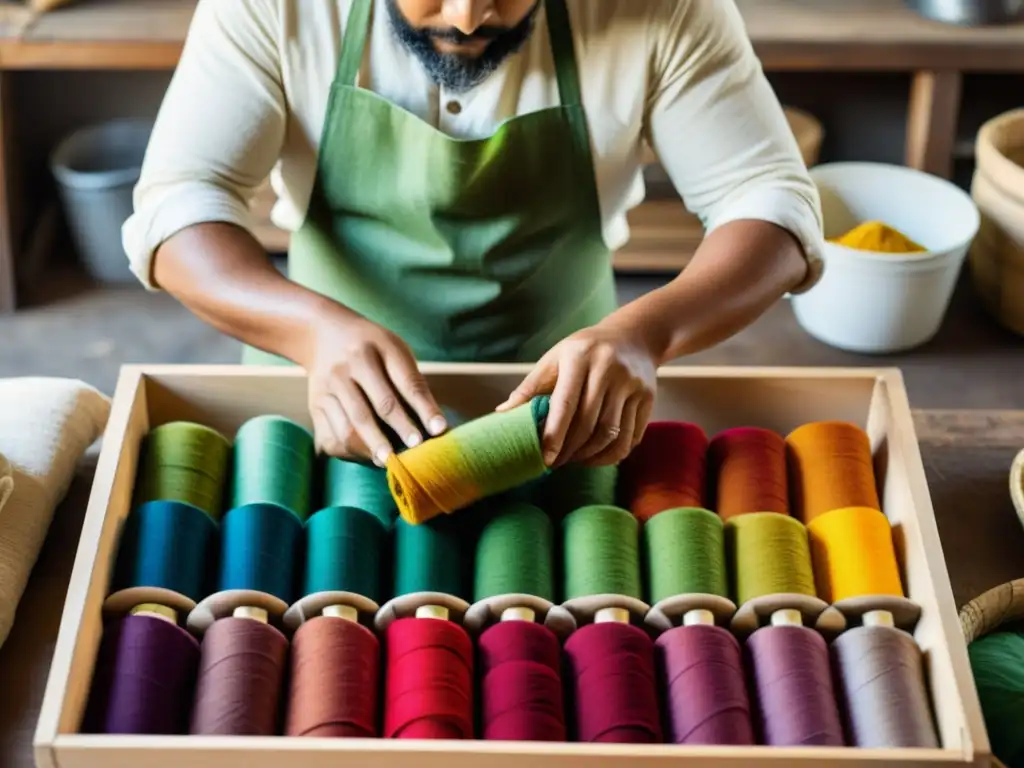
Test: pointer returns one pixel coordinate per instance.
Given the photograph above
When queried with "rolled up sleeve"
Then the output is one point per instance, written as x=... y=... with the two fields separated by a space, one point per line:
x=218 y=133
x=719 y=129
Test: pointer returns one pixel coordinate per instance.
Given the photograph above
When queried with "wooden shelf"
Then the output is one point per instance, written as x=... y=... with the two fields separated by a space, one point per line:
x=787 y=34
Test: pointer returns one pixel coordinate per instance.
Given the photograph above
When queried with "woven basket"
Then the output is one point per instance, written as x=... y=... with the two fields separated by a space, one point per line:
x=997 y=256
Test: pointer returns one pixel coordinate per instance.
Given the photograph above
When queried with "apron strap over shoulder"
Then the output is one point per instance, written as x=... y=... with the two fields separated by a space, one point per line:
x=564 y=53
x=353 y=45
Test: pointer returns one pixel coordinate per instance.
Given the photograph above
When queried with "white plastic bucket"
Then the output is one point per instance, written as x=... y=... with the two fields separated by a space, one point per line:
x=877 y=303
x=97 y=169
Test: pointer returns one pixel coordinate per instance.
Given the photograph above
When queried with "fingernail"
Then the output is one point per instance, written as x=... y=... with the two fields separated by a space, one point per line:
x=413 y=440
x=437 y=425
x=382 y=456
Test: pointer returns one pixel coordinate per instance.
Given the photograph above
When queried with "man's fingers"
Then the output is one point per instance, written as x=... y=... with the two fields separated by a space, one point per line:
x=540 y=381
x=608 y=427
x=389 y=406
x=364 y=422
x=622 y=445
x=413 y=388
x=565 y=399
x=340 y=438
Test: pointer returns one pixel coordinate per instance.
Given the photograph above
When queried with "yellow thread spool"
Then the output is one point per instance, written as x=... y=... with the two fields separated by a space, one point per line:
x=853 y=555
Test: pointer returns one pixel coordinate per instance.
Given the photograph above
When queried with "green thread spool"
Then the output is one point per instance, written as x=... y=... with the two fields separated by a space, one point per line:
x=769 y=560
x=346 y=556
x=601 y=562
x=273 y=464
x=429 y=568
x=684 y=551
x=187 y=463
x=481 y=458
x=997 y=661
x=350 y=484
x=574 y=486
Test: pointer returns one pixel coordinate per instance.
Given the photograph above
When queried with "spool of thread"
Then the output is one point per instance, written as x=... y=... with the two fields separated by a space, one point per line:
x=185 y=462
x=346 y=556
x=241 y=672
x=164 y=553
x=335 y=676
x=274 y=461
x=612 y=682
x=514 y=556
x=997 y=661
x=769 y=556
x=747 y=467
x=881 y=675
x=429 y=567
x=154 y=670
x=484 y=457
x=793 y=684
x=701 y=666
x=572 y=486
x=429 y=678
x=601 y=560
x=667 y=470
x=830 y=467
x=855 y=562
x=365 y=487
x=259 y=550
x=685 y=557
x=521 y=682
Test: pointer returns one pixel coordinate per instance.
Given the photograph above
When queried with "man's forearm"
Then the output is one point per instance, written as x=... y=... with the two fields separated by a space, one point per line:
x=223 y=275
x=737 y=273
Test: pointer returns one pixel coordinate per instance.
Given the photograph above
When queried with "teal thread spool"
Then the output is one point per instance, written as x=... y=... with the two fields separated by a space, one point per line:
x=601 y=562
x=273 y=464
x=429 y=569
x=346 y=554
x=684 y=553
x=514 y=568
x=260 y=547
x=349 y=484
x=185 y=462
x=163 y=557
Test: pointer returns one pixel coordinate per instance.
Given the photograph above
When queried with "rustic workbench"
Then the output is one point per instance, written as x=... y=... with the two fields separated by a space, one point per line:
x=967 y=455
x=789 y=35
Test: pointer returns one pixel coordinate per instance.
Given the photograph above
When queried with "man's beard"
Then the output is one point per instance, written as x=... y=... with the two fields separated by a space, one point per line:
x=450 y=70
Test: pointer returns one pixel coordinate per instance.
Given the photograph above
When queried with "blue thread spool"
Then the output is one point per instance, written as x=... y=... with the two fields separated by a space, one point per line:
x=346 y=555
x=164 y=557
x=260 y=548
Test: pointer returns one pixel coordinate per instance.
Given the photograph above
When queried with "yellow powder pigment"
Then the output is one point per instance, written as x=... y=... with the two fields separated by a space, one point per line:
x=878 y=237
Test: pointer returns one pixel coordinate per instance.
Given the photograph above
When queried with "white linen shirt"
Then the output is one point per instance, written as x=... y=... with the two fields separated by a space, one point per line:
x=249 y=97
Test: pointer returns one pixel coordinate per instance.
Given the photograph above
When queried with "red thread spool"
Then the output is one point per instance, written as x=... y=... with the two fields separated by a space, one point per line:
x=614 y=685
x=335 y=676
x=429 y=680
x=521 y=684
x=667 y=470
x=747 y=467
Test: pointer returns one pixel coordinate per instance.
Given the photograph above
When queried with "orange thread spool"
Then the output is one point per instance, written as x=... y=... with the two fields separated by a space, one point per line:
x=747 y=467
x=830 y=467
x=667 y=470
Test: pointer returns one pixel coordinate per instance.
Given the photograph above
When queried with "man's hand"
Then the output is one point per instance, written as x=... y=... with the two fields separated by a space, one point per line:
x=360 y=372
x=602 y=382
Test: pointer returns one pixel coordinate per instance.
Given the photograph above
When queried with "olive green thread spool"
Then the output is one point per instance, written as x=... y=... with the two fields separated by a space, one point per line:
x=274 y=462
x=429 y=569
x=346 y=556
x=514 y=570
x=601 y=563
x=184 y=462
x=770 y=568
x=684 y=554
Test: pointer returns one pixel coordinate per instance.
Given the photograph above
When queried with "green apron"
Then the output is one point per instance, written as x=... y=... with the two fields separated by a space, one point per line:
x=486 y=250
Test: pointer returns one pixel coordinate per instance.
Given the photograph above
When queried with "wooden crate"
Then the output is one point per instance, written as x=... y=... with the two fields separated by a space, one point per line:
x=716 y=398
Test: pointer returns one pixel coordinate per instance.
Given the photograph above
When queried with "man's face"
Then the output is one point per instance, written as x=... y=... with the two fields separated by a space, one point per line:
x=460 y=42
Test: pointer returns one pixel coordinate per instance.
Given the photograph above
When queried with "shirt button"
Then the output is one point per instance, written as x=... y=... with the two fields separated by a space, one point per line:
x=454 y=108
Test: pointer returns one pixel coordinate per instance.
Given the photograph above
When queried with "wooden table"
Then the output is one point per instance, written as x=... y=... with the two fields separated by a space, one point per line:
x=789 y=35
x=967 y=456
